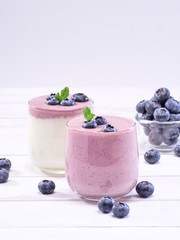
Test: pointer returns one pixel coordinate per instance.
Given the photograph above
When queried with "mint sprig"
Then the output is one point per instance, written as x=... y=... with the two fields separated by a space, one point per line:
x=64 y=94
x=87 y=114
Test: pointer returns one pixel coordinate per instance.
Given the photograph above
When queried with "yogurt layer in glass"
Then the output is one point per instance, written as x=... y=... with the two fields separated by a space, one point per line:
x=47 y=132
x=102 y=163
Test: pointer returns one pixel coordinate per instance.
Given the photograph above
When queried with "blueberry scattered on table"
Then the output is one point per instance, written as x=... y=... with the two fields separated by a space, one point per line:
x=4 y=175
x=177 y=150
x=89 y=124
x=152 y=156
x=67 y=102
x=120 y=209
x=80 y=97
x=5 y=163
x=46 y=187
x=108 y=128
x=100 y=120
x=105 y=204
x=145 y=189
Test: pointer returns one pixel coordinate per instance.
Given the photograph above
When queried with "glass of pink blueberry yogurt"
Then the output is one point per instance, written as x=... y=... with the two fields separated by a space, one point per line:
x=101 y=156
x=48 y=116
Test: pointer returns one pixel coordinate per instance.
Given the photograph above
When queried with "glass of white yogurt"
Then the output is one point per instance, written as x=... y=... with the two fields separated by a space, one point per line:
x=47 y=131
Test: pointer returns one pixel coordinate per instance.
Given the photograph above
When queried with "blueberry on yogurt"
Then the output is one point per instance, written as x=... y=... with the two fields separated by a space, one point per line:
x=100 y=120
x=108 y=128
x=80 y=97
x=67 y=102
x=52 y=100
x=89 y=124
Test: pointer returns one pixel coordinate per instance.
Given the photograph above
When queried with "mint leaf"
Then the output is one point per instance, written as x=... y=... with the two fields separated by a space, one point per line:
x=64 y=94
x=58 y=96
x=87 y=114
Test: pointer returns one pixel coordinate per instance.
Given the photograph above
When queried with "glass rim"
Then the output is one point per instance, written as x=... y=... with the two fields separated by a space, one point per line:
x=99 y=132
x=144 y=121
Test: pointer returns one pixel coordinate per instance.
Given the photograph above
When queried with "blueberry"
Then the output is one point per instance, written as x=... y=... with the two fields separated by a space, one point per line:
x=80 y=97
x=108 y=128
x=46 y=186
x=152 y=156
x=89 y=124
x=170 y=135
x=147 y=116
x=52 y=100
x=4 y=174
x=147 y=130
x=161 y=95
x=105 y=204
x=100 y=120
x=172 y=105
x=5 y=163
x=170 y=141
x=174 y=117
x=177 y=150
x=145 y=189
x=120 y=209
x=156 y=127
x=155 y=138
x=161 y=114
x=67 y=102
x=140 y=107
x=151 y=106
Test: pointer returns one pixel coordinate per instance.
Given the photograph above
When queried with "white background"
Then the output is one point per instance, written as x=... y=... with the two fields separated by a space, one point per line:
x=45 y=43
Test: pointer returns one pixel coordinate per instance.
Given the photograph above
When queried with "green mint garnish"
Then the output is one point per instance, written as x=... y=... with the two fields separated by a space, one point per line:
x=87 y=114
x=64 y=94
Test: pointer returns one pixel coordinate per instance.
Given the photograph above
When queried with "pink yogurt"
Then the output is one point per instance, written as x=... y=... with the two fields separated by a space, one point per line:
x=39 y=109
x=100 y=163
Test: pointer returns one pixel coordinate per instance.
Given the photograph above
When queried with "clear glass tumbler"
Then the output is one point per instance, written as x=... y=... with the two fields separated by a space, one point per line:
x=102 y=163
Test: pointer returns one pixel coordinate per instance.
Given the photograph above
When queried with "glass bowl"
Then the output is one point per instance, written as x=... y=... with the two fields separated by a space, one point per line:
x=163 y=136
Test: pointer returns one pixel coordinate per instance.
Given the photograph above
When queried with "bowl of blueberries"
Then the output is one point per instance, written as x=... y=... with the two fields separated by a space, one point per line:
x=159 y=120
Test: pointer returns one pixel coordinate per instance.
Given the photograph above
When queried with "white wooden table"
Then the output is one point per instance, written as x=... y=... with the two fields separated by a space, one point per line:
x=27 y=214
